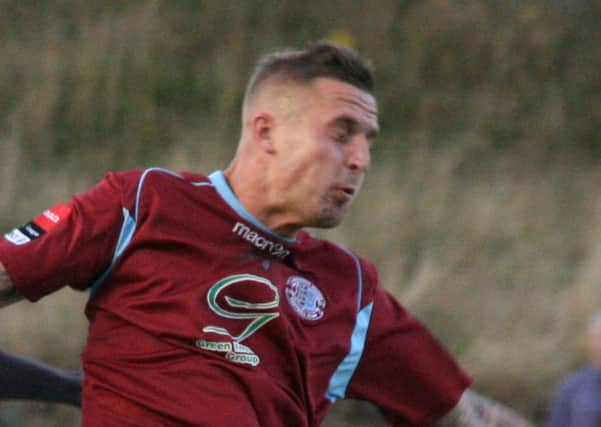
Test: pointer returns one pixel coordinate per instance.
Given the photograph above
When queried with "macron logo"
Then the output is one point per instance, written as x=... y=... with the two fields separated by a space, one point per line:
x=273 y=248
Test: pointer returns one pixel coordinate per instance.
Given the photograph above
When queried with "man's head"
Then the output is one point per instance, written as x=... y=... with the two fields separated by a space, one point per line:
x=309 y=118
x=320 y=60
x=594 y=339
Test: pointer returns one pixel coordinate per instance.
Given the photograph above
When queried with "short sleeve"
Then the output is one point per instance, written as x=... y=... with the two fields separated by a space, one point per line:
x=69 y=244
x=404 y=370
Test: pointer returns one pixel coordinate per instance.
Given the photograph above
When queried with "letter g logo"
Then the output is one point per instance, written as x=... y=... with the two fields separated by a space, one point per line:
x=243 y=309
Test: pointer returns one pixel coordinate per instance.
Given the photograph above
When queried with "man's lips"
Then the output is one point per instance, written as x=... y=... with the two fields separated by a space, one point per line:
x=348 y=190
x=345 y=192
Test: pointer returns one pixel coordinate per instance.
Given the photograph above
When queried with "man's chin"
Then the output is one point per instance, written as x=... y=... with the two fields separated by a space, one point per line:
x=329 y=220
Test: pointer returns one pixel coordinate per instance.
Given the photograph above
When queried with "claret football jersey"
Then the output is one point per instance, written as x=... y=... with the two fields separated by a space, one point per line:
x=202 y=316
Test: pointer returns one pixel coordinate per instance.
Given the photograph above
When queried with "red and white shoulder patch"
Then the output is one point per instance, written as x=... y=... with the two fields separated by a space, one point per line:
x=39 y=226
x=50 y=218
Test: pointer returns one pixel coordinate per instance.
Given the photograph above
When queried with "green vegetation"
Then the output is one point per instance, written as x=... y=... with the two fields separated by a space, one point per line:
x=482 y=211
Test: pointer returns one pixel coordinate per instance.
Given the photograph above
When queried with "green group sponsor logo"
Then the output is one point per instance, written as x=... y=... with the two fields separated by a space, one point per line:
x=259 y=314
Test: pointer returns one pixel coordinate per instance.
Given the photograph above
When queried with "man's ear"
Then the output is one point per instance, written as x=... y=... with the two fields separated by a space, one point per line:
x=262 y=127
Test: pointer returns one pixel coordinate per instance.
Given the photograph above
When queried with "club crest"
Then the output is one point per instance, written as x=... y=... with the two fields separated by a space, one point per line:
x=305 y=298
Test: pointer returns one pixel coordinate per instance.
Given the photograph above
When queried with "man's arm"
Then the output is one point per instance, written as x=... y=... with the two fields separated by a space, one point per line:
x=22 y=378
x=26 y=379
x=8 y=291
x=475 y=410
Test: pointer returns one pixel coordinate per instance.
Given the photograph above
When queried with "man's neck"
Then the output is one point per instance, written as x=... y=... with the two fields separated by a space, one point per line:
x=255 y=196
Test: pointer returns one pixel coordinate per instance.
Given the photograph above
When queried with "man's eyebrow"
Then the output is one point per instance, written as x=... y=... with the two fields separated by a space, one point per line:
x=350 y=124
x=347 y=122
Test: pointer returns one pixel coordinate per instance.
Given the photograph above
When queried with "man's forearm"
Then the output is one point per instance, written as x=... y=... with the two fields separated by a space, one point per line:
x=22 y=378
x=475 y=410
x=8 y=291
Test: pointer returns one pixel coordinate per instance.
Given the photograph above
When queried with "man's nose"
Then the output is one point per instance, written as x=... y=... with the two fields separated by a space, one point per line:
x=359 y=157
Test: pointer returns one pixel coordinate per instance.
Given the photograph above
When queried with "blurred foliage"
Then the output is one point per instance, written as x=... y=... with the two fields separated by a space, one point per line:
x=483 y=208
x=123 y=78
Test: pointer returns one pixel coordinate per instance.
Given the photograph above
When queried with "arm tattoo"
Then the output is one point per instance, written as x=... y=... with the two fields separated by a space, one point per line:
x=8 y=291
x=475 y=410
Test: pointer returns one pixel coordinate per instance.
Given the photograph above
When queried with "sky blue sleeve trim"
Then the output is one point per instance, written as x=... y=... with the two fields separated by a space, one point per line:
x=224 y=190
x=127 y=231
x=343 y=374
x=359 y=276
x=141 y=184
x=128 y=227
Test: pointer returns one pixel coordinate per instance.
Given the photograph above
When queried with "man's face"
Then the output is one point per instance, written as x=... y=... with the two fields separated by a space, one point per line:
x=324 y=151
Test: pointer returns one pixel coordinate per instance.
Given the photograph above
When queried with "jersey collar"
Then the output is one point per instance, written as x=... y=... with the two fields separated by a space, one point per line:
x=218 y=179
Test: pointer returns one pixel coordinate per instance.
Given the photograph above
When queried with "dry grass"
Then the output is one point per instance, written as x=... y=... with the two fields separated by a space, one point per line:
x=502 y=262
x=500 y=259
x=482 y=212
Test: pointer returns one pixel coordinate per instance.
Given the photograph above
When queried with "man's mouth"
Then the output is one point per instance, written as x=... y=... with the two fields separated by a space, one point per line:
x=348 y=190
x=345 y=192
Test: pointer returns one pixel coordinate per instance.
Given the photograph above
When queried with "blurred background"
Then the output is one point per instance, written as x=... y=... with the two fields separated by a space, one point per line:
x=482 y=211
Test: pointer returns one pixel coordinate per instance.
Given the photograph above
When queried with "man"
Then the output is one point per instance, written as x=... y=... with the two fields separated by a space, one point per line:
x=210 y=304
x=577 y=401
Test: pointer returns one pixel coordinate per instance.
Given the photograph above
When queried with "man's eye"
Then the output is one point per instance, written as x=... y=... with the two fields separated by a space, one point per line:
x=341 y=136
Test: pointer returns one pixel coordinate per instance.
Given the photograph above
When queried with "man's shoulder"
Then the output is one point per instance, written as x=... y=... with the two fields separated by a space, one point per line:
x=578 y=377
x=142 y=176
x=337 y=256
x=139 y=173
x=136 y=186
